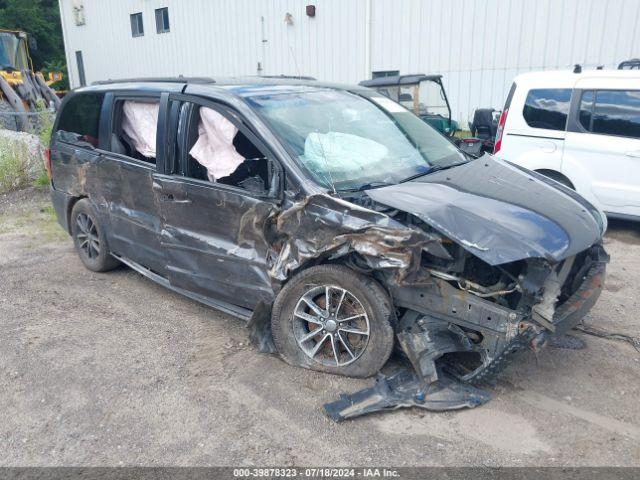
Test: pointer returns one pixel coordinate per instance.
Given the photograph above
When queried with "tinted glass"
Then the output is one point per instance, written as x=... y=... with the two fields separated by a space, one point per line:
x=617 y=113
x=80 y=118
x=547 y=108
x=586 y=109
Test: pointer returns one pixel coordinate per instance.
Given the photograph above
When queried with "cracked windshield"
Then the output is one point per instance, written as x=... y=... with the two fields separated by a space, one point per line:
x=350 y=142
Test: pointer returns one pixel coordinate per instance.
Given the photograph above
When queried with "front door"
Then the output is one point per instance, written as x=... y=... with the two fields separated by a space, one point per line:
x=214 y=229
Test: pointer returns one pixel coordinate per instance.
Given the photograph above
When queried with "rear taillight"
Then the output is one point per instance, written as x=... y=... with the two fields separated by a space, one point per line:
x=503 y=120
x=47 y=162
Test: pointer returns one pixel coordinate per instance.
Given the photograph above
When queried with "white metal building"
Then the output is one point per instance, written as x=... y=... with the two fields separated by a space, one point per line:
x=477 y=45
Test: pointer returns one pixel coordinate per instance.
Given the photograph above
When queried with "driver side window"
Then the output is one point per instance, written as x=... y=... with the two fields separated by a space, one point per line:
x=218 y=150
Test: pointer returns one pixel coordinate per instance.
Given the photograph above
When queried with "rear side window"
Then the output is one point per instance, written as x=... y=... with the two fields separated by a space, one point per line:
x=80 y=118
x=547 y=108
x=616 y=112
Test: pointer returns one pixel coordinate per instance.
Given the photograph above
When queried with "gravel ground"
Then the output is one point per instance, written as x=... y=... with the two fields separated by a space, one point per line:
x=111 y=369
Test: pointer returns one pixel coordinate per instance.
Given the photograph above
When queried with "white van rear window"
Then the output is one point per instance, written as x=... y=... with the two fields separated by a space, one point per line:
x=547 y=108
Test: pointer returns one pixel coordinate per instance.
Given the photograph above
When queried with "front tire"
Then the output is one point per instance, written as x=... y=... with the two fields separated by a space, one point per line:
x=332 y=319
x=89 y=238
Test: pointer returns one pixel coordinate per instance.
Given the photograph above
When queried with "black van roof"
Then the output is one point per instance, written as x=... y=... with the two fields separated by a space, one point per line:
x=159 y=84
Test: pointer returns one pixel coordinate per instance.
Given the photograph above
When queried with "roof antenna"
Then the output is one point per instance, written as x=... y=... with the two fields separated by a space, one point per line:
x=289 y=21
x=295 y=62
x=577 y=68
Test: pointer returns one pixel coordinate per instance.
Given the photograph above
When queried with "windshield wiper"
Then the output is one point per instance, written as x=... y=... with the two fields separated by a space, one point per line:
x=367 y=186
x=436 y=168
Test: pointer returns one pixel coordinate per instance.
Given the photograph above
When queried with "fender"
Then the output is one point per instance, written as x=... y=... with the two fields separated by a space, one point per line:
x=580 y=177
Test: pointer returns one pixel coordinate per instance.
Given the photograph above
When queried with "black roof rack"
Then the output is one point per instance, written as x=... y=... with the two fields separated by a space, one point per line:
x=633 y=64
x=394 y=80
x=287 y=77
x=178 y=79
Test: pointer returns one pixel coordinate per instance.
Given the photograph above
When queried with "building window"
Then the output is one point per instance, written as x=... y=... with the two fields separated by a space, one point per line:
x=80 y=63
x=162 y=20
x=137 y=28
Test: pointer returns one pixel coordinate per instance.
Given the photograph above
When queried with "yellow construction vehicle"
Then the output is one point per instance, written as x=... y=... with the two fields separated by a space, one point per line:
x=22 y=90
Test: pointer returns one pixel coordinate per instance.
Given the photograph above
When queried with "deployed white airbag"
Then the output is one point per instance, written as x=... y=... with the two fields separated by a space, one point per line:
x=341 y=152
x=140 y=124
x=214 y=149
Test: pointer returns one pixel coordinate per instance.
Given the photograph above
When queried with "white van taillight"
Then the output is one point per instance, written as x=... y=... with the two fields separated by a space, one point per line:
x=47 y=162
x=503 y=120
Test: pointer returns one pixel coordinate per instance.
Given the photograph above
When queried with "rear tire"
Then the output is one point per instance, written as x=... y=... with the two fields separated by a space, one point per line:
x=354 y=334
x=89 y=238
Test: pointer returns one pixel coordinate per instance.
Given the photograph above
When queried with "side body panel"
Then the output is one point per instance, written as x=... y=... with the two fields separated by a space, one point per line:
x=604 y=168
x=133 y=213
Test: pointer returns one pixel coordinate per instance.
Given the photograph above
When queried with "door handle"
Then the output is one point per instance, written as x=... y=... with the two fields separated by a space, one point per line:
x=170 y=197
x=634 y=153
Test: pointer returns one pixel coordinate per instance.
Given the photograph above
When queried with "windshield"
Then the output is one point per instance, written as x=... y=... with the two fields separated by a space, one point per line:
x=348 y=141
x=12 y=51
x=432 y=99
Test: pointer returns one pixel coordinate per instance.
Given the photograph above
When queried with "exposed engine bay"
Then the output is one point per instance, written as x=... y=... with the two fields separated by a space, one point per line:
x=463 y=317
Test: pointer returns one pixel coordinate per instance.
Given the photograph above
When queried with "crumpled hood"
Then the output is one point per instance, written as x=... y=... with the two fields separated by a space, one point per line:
x=498 y=211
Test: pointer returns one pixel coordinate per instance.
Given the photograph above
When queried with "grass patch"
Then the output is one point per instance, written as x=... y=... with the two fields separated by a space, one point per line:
x=42 y=180
x=45 y=120
x=14 y=165
x=462 y=134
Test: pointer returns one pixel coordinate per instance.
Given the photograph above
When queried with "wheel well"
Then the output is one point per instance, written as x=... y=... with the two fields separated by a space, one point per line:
x=557 y=176
x=70 y=206
x=354 y=260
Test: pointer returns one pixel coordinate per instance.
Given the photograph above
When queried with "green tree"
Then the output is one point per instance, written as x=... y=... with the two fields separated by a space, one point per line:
x=41 y=20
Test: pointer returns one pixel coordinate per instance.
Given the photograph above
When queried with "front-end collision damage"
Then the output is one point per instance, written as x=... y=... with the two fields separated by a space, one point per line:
x=406 y=389
x=459 y=316
x=324 y=227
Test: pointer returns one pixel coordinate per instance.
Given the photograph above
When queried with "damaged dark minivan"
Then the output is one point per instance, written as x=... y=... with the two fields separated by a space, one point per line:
x=333 y=220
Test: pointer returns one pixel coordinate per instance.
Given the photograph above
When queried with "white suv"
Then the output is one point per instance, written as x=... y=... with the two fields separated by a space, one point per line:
x=581 y=129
